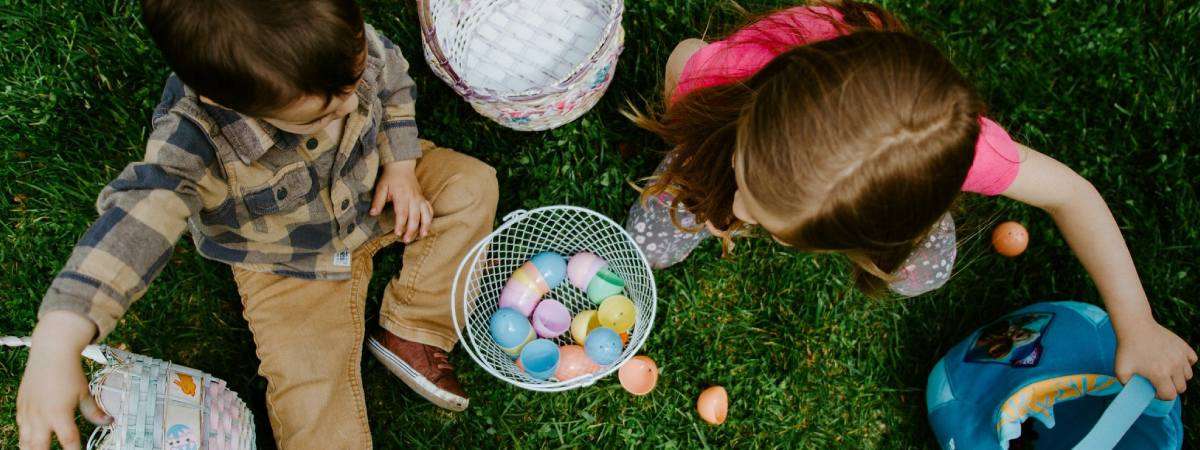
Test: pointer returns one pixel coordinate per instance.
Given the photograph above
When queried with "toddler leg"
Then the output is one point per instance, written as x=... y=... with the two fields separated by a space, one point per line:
x=308 y=336
x=415 y=315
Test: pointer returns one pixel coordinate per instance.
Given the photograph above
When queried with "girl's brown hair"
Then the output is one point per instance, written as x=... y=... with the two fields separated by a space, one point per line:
x=858 y=144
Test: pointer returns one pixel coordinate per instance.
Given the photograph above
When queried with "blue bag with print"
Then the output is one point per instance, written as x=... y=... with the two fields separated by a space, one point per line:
x=1052 y=363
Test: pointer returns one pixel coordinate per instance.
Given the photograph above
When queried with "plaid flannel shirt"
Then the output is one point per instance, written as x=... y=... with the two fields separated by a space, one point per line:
x=252 y=195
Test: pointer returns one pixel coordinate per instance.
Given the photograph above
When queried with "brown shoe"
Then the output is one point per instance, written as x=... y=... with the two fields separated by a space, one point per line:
x=424 y=368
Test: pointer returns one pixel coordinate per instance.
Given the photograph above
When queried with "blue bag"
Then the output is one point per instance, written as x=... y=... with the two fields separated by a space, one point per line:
x=1052 y=362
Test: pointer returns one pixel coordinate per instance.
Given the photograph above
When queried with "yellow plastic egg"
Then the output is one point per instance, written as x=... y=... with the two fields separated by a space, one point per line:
x=582 y=324
x=617 y=312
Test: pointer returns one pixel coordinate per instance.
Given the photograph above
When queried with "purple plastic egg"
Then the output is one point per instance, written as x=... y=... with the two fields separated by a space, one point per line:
x=551 y=319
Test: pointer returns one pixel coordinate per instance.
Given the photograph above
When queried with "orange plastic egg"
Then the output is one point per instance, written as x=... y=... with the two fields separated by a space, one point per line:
x=639 y=375
x=573 y=363
x=713 y=405
x=1010 y=239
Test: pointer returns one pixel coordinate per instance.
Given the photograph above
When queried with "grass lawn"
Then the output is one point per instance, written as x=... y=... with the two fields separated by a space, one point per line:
x=1112 y=88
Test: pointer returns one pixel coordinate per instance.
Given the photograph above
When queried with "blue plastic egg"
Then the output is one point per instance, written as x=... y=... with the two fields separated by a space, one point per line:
x=552 y=266
x=540 y=358
x=603 y=345
x=510 y=330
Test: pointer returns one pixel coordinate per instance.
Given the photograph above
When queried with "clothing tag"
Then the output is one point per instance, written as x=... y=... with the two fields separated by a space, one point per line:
x=341 y=259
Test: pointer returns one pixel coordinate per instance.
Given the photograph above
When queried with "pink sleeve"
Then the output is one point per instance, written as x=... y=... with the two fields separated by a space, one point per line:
x=997 y=161
x=750 y=49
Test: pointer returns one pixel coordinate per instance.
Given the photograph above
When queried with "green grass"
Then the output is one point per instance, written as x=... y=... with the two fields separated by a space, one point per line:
x=1109 y=87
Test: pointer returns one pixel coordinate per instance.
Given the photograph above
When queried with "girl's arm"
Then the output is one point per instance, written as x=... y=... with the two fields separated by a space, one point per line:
x=1143 y=346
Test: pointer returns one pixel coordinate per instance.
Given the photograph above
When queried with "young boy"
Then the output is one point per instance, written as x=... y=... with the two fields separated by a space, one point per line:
x=284 y=132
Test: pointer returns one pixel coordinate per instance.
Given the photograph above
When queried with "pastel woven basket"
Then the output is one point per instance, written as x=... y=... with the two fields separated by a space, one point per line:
x=529 y=65
x=158 y=405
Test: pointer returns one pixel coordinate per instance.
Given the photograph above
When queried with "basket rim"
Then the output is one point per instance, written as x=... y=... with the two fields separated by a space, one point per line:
x=473 y=255
x=435 y=56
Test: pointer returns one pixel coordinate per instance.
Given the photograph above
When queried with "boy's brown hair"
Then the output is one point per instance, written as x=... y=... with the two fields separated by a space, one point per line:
x=258 y=56
x=860 y=143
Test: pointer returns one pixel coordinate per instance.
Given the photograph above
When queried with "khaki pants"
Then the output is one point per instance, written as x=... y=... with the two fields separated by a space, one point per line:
x=309 y=334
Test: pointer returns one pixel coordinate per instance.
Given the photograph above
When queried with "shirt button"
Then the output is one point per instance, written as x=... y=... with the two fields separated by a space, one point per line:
x=345 y=204
x=281 y=193
x=311 y=144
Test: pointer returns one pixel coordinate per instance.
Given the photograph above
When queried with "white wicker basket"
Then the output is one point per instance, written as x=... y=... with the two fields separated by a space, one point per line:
x=566 y=230
x=529 y=65
x=158 y=405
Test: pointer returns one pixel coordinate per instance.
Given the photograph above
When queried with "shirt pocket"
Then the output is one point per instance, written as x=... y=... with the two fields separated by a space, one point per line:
x=291 y=186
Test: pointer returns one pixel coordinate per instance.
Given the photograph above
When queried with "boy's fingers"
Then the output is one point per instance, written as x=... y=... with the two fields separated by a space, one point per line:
x=380 y=198
x=401 y=217
x=92 y=412
x=1191 y=355
x=426 y=218
x=414 y=223
x=68 y=435
x=34 y=436
x=1180 y=383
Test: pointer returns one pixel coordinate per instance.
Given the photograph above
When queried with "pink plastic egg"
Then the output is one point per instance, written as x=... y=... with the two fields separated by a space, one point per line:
x=573 y=362
x=551 y=319
x=523 y=291
x=582 y=267
x=639 y=375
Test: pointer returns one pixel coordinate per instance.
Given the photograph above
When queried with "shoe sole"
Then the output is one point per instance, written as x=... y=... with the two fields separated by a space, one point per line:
x=419 y=384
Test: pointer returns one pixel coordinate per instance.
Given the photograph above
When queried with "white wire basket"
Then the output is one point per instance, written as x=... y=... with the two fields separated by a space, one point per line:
x=566 y=230
x=529 y=65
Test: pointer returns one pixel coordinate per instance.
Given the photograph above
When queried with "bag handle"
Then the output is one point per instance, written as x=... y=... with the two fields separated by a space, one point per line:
x=1125 y=409
x=92 y=352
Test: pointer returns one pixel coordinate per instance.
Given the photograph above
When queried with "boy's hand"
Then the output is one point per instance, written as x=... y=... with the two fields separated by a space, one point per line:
x=398 y=184
x=54 y=385
x=1152 y=351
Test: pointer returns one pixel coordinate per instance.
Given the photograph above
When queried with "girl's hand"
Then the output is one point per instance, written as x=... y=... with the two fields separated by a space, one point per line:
x=398 y=184
x=1152 y=351
x=54 y=385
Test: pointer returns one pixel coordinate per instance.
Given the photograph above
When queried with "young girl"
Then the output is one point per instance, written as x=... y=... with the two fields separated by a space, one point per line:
x=835 y=131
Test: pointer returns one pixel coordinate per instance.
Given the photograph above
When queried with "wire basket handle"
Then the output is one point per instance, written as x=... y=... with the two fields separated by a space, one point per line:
x=92 y=352
x=429 y=33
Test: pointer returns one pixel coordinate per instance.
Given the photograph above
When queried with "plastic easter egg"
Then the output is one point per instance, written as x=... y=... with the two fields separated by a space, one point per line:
x=551 y=319
x=639 y=375
x=573 y=362
x=603 y=346
x=552 y=266
x=582 y=324
x=1010 y=239
x=539 y=358
x=617 y=312
x=529 y=273
x=713 y=405
x=604 y=285
x=522 y=291
x=582 y=267
x=510 y=330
